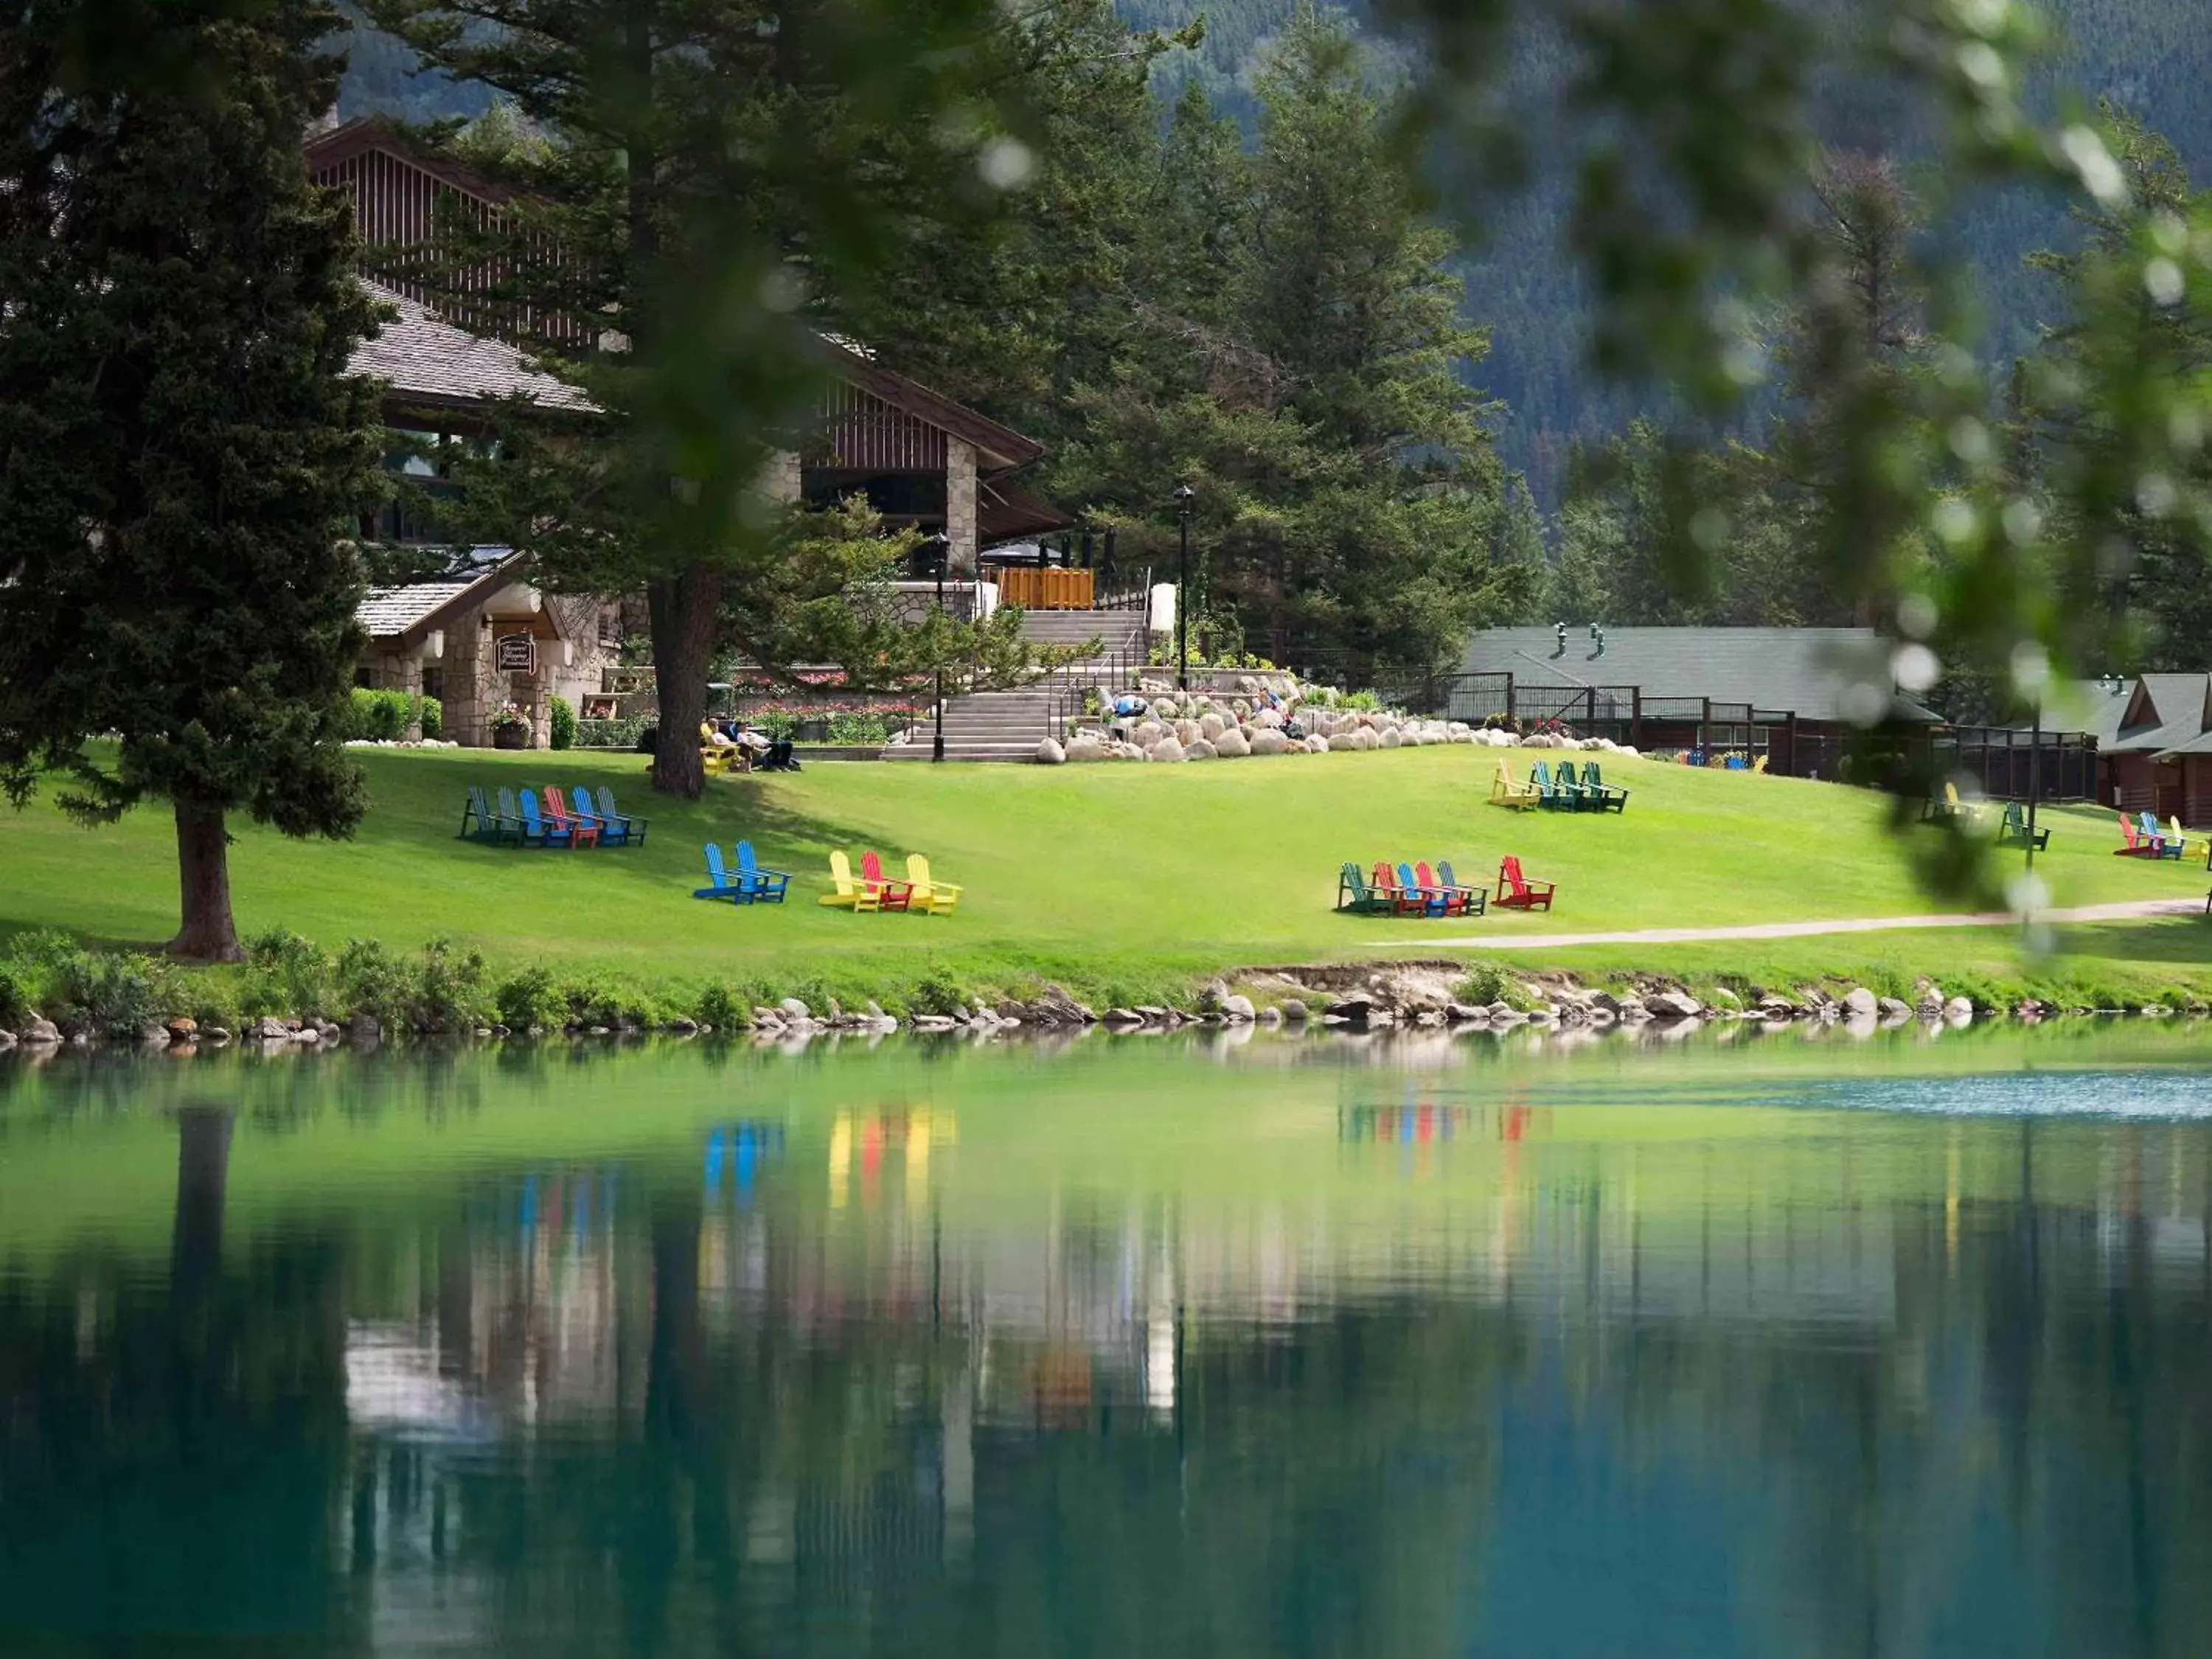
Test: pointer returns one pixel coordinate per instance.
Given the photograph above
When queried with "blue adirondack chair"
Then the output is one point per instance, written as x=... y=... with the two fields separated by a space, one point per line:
x=536 y=832
x=1474 y=901
x=621 y=829
x=588 y=815
x=2167 y=847
x=1432 y=898
x=723 y=884
x=766 y=886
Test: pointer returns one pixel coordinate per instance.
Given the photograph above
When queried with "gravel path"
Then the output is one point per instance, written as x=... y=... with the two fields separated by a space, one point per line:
x=2132 y=910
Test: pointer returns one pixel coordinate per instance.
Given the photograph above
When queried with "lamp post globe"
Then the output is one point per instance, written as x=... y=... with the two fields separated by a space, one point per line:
x=1184 y=497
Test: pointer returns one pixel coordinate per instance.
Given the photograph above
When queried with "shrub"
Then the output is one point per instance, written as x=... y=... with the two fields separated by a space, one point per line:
x=371 y=981
x=721 y=1008
x=622 y=733
x=119 y=993
x=15 y=994
x=564 y=724
x=212 y=1003
x=433 y=718
x=529 y=998
x=1486 y=984
x=449 y=992
x=286 y=975
x=935 y=993
x=379 y=716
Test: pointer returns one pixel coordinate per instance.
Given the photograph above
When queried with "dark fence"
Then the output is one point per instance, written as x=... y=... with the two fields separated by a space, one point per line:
x=2008 y=764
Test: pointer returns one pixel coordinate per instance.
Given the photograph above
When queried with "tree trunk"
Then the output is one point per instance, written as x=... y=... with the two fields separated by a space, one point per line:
x=683 y=610
x=207 y=932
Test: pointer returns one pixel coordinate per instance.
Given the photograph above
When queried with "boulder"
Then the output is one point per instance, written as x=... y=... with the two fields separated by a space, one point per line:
x=1049 y=753
x=1894 y=1012
x=1187 y=732
x=1392 y=738
x=1269 y=740
x=152 y=1035
x=7 y=1041
x=183 y=1028
x=1086 y=748
x=1148 y=732
x=792 y=1008
x=1357 y=1009
x=1675 y=1004
x=1167 y=749
x=1232 y=744
x=1237 y=1010
x=1122 y=1017
x=1269 y=717
x=1201 y=750
x=1342 y=742
x=1210 y=727
x=36 y=1028
x=1859 y=1003
x=1293 y=1009
x=1958 y=1011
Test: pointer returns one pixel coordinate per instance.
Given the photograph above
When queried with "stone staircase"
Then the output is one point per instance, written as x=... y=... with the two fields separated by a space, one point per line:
x=1007 y=725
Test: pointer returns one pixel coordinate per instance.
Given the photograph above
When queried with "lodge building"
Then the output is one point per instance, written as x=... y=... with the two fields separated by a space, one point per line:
x=489 y=637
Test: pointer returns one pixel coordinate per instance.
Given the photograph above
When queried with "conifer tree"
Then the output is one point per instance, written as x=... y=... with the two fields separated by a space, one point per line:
x=179 y=449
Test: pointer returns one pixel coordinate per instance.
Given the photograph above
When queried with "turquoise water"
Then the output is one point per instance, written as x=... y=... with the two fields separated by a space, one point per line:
x=1138 y=1347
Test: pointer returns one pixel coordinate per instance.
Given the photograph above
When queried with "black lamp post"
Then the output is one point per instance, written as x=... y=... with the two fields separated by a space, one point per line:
x=1184 y=496
x=940 y=554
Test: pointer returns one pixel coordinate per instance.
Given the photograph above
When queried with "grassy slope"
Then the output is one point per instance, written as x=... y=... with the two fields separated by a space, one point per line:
x=1113 y=878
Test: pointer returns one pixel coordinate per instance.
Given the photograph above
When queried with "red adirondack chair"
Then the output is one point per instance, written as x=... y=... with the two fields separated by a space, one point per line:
x=1455 y=898
x=889 y=895
x=2138 y=845
x=1404 y=901
x=582 y=832
x=1516 y=892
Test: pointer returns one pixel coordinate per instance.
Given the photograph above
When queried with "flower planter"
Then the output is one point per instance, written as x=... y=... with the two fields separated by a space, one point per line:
x=510 y=737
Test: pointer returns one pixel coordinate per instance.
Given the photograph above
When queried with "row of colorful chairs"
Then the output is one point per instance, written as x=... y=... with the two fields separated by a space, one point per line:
x=1413 y=890
x=524 y=821
x=2140 y=837
x=920 y=894
x=1563 y=791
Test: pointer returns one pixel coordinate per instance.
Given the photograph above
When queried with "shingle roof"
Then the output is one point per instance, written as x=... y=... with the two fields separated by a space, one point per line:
x=389 y=611
x=421 y=356
x=2087 y=706
x=1808 y=672
x=2164 y=714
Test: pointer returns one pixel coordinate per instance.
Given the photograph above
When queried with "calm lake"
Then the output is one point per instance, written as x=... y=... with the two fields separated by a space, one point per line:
x=1134 y=1346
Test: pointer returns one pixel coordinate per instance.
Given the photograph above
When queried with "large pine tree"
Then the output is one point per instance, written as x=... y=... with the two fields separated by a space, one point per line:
x=179 y=449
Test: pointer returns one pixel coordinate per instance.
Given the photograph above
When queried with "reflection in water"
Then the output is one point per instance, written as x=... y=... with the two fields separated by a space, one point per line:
x=1369 y=1366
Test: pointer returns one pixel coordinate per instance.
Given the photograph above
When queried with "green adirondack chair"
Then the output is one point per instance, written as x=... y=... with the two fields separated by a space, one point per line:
x=1555 y=797
x=1354 y=897
x=1602 y=797
x=2014 y=831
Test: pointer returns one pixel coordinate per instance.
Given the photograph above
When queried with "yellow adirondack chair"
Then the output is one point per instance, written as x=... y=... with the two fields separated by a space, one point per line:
x=1758 y=764
x=1505 y=790
x=845 y=892
x=2191 y=845
x=1959 y=808
x=936 y=898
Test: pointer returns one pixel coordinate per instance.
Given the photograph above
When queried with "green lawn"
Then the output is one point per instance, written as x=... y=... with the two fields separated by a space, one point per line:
x=1114 y=879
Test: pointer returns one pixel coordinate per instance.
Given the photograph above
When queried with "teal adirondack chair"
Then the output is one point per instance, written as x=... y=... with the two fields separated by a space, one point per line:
x=1554 y=799
x=1474 y=900
x=1578 y=797
x=621 y=829
x=1354 y=897
x=479 y=822
x=1603 y=797
x=2014 y=831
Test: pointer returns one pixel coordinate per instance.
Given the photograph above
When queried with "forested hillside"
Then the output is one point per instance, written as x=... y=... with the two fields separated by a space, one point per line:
x=2154 y=57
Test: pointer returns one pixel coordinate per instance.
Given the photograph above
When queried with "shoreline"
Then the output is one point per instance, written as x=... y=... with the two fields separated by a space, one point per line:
x=1429 y=994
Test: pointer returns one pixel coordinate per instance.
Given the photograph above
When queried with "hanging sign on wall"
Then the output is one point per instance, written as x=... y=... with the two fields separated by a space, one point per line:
x=518 y=654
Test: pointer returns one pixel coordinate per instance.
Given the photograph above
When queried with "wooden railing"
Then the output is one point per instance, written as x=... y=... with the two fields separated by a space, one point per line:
x=1045 y=590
